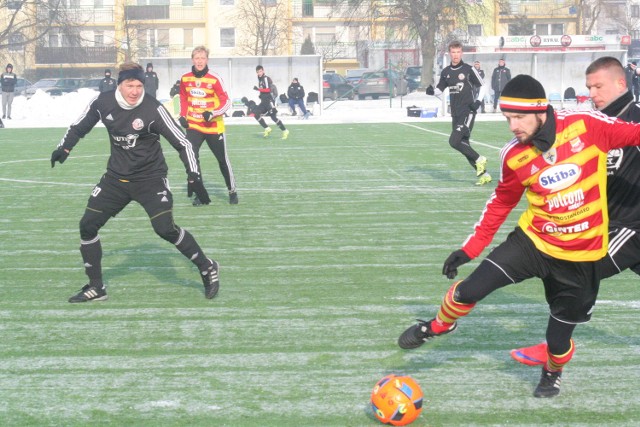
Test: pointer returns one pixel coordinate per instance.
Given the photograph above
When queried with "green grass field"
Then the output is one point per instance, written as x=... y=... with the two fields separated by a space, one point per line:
x=335 y=248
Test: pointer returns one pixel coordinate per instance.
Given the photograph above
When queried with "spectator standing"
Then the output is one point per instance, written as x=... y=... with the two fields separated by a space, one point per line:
x=151 y=81
x=8 y=80
x=499 y=79
x=476 y=90
x=108 y=83
x=296 y=97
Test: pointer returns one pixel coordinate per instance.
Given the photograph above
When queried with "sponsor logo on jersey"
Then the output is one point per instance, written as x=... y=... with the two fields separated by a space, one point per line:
x=572 y=200
x=534 y=170
x=137 y=124
x=126 y=142
x=197 y=93
x=461 y=76
x=552 y=228
x=576 y=145
x=559 y=177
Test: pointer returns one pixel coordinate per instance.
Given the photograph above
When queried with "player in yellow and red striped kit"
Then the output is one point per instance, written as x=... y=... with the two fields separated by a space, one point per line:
x=203 y=102
x=559 y=161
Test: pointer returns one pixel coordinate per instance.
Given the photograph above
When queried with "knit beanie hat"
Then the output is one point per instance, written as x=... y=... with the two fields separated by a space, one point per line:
x=523 y=94
x=149 y=65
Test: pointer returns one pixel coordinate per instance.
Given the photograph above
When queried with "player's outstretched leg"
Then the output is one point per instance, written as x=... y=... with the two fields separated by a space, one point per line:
x=420 y=333
x=532 y=356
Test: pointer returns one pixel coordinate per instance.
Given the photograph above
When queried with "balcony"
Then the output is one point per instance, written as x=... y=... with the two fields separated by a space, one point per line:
x=75 y=55
x=165 y=12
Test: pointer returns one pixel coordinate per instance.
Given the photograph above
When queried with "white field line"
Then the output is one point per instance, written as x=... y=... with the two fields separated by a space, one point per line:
x=446 y=134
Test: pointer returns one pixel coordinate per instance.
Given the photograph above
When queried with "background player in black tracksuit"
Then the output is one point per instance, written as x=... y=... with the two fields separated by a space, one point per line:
x=108 y=83
x=266 y=106
x=460 y=79
x=609 y=93
x=136 y=171
x=151 y=81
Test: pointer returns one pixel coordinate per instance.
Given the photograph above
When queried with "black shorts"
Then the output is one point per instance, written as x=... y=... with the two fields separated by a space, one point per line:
x=624 y=252
x=571 y=288
x=263 y=109
x=111 y=195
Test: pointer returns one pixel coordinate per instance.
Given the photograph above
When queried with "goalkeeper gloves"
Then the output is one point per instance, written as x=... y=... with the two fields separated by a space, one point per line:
x=455 y=260
x=430 y=90
x=183 y=122
x=59 y=155
x=207 y=116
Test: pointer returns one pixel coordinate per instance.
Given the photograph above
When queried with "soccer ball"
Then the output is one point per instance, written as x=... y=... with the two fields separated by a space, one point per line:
x=396 y=400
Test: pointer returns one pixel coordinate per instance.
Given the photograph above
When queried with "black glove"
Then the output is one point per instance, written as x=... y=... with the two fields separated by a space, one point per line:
x=59 y=155
x=256 y=88
x=207 y=116
x=475 y=105
x=183 y=122
x=430 y=90
x=455 y=260
x=195 y=180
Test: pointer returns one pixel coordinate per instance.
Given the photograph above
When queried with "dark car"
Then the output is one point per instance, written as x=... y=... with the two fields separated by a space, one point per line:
x=382 y=83
x=335 y=86
x=93 y=83
x=54 y=87
x=413 y=75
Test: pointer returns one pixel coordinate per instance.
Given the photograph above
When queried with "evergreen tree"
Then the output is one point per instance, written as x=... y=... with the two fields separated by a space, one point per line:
x=307 y=47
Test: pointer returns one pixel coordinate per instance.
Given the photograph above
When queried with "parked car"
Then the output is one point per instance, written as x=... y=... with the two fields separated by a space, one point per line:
x=21 y=85
x=413 y=76
x=335 y=86
x=92 y=84
x=54 y=87
x=382 y=83
x=354 y=76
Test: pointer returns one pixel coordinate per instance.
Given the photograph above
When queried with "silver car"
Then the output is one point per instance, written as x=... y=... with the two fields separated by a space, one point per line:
x=382 y=83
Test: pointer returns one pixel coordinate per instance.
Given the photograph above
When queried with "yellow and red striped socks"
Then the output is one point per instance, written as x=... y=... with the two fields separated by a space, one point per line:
x=450 y=311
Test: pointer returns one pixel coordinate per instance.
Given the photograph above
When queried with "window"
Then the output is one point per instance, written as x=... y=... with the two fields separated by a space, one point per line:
x=16 y=42
x=54 y=40
x=188 y=37
x=98 y=38
x=635 y=11
x=227 y=2
x=270 y=2
x=187 y=2
x=475 y=30
x=98 y=4
x=549 y=29
x=227 y=37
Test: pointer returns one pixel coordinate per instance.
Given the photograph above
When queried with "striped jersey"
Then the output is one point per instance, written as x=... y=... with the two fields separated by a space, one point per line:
x=200 y=94
x=565 y=187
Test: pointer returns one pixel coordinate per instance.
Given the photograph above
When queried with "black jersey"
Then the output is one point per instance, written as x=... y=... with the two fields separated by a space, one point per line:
x=265 y=86
x=460 y=79
x=623 y=178
x=136 y=153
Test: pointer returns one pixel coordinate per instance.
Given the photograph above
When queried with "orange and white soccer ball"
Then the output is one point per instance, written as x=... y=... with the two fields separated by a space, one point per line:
x=397 y=400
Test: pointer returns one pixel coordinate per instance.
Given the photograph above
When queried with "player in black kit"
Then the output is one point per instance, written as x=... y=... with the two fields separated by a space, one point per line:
x=266 y=106
x=136 y=171
x=460 y=79
x=608 y=91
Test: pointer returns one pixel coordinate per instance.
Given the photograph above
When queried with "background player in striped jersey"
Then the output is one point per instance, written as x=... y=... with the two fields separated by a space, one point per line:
x=203 y=102
x=136 y=171
x=605 y=79
x=554 y=156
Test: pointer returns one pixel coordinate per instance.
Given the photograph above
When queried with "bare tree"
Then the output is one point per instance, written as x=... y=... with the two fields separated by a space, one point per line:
x=590 y=11
x=261 y=21
x=24 y=22
x=429 y=20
